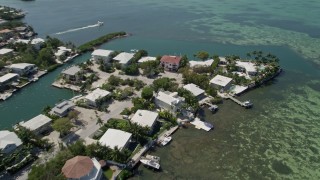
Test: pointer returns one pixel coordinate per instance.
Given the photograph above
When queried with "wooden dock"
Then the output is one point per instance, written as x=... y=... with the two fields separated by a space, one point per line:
x=210 y=106
x=246 y=104
x=136 y=158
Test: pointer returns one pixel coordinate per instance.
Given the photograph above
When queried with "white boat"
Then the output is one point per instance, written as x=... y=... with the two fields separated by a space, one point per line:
x=99 y=23
x=166 y=140
x=134 y=50
x=154 y=158
x=150 y=163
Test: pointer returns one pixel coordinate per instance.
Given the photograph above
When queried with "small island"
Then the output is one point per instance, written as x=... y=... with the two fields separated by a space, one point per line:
x=126 y=103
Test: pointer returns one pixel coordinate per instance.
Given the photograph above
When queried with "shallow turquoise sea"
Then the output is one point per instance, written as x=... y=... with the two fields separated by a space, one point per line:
x=278 y=139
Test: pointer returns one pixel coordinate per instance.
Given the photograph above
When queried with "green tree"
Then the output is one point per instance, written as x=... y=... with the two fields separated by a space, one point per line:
x=147 y=93
x=62 y=125
x=114 y=80
x=203 y=55
x=99 y=121
x=73 y=115
x=184 y=61
x=46 y=57
x=132 y=69
x=165 y=84
x=78 y=148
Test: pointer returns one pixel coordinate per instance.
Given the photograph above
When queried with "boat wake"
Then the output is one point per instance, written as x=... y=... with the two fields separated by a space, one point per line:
x=81 y=28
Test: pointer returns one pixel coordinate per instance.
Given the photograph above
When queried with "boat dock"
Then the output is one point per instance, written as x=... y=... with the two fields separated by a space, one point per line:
x=137 y=157
x=167 y=133
x=211 y=107
x=246 y=104
x=202 y=125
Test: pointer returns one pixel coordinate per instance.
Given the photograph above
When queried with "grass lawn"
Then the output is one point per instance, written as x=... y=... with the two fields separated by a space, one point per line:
x=108 y=173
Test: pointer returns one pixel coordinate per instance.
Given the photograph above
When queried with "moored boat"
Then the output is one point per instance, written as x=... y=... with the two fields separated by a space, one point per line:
x=166 y=140
x=150 y=163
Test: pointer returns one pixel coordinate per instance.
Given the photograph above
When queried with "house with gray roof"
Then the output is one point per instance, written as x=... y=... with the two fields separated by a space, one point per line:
x=38 y=124
x=72 y=74
x=62 y=109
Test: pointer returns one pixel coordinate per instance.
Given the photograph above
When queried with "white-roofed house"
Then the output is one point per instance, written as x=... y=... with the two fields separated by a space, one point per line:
x=37 y=42
x=145 y=118
x=201 y=63
x=221 y=83
x=168 y=101
x=146 y=58
x=38 y=124
x=7 y=79
x=102 y=55
x=95 y=96
x=9 y=141
x=195 y=90
x=115 y=138
x=23 y=69
x=123 y=58
x=72 y=74
x=249 y=67
x=62 y=109
x=62 y=52
x=6 y=52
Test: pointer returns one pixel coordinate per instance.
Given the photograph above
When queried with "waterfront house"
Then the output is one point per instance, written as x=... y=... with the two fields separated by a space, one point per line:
x=223 y=61
x=6 y=79
x=145 y=118
x=5 y=52
x=38 y=124
x=23 y=69
x=62 y=109
x=95 y=96
x=248 y=67
x=82 y=168
x=201 y=63
x=6 y=34
x=168 y=101
x=37 y=43
x=221 y=83
x=170 y=63
x=72 y=74
x=62 y=52
x=146 y=58
x=115 y=138
x=123 y=58
x=101 y=55
x=195 y=90
x=21 y=29
x=9 y=141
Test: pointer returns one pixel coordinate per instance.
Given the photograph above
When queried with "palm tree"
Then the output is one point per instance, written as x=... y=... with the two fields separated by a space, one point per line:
x=99 y=121
x=117 y=155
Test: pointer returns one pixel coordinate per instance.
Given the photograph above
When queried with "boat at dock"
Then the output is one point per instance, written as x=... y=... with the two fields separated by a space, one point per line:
x=213 y=108
x=166 y=140
x=154 y=158
x=150 y=163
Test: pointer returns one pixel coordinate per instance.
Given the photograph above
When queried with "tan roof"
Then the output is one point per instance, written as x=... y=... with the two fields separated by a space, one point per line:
x=77 y=167
x=5 y=31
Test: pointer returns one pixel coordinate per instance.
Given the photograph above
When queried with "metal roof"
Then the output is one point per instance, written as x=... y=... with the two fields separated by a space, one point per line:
x=145 y=118
x=115 y=137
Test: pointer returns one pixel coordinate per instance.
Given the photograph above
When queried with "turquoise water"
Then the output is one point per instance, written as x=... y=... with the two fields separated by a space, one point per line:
x=277 y=139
